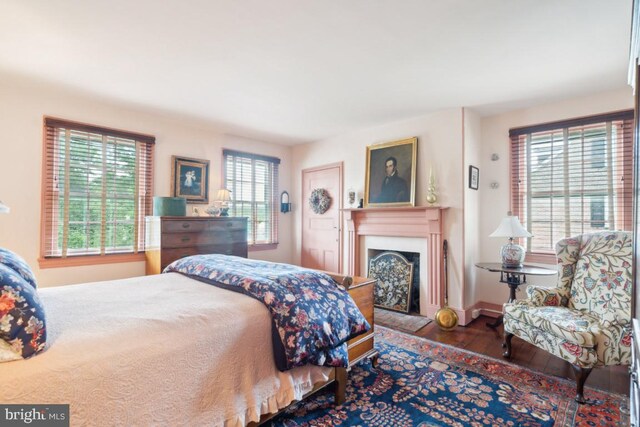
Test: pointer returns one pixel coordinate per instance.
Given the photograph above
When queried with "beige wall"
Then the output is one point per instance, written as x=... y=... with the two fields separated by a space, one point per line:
x=449 y=141
x=472 y=155
x=439 y=147
x=494 y=204
x=22 y=105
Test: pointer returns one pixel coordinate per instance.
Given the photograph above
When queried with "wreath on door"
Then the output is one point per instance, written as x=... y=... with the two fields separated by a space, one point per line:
x=319 y=201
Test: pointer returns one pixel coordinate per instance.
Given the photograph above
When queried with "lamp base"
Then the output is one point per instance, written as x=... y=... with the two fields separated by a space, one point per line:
x=224 y=211
x=512 y=255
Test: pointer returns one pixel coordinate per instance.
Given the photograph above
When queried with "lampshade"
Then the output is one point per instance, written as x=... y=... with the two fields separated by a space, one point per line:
x=4 y=208
x=223 y=195
x=512 y=254
x=510 y=227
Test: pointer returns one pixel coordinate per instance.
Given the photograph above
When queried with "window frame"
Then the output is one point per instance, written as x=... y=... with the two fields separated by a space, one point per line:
x=624 y=218
x=48 y=224
x=274 y=211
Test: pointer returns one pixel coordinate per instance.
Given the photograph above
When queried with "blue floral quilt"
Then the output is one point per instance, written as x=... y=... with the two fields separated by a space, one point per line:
x=313 y=316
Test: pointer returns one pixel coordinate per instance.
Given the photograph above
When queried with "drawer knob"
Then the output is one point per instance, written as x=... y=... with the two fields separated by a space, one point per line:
x=229 y=224
x=186 y=225
x=186 y=239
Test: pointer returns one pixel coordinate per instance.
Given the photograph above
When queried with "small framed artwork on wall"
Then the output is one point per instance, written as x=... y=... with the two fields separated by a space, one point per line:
x=190 y=179
x=474 y=177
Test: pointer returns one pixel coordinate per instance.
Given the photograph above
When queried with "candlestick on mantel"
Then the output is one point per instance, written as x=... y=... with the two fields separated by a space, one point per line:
x=432 y=196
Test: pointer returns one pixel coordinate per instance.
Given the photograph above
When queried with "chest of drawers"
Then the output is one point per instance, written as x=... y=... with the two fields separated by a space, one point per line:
x=170 y=238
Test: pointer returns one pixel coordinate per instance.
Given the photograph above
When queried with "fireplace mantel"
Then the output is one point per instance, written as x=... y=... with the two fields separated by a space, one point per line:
x=418 y=222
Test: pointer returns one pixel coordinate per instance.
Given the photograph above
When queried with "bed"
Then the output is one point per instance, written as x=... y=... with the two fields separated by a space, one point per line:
x=166 y=350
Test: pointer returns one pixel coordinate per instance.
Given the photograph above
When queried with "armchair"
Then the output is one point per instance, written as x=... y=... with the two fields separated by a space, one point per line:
x=586 y=319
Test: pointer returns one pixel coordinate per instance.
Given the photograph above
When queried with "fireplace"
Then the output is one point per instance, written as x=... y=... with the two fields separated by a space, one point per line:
x=412 y=291
x=406 y=229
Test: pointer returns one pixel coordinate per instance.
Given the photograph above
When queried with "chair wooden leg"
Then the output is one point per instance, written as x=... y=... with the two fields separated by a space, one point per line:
x=507 y=343
x=581 y=375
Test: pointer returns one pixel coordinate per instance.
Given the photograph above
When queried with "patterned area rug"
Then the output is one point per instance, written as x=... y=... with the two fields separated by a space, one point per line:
x=422 y=383
x=400 y=321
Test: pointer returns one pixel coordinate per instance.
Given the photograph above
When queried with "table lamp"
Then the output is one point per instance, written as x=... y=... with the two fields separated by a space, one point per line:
x=223 y=197
x=4 y=208
x=512 y=254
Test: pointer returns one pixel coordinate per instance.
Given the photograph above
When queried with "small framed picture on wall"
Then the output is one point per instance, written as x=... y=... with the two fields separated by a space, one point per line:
x=190 y=179
x=474 y=177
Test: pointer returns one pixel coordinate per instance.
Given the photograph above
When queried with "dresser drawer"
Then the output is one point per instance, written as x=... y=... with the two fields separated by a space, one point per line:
x=170 y=255
x=228 y=224
x=181 y=226
x=235 y=249
x=205 y=238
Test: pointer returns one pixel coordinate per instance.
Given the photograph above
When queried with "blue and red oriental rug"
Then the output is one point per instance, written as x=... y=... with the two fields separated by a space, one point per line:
x=421 y=383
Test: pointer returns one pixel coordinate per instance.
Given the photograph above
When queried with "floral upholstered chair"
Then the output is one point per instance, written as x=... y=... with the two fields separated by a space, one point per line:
x=586 y=319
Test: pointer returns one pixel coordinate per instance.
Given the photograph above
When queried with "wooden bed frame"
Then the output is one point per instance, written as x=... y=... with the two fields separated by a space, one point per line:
x=360 y=347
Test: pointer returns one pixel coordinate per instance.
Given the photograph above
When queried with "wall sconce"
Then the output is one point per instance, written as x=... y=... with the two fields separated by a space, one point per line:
x=285 y=205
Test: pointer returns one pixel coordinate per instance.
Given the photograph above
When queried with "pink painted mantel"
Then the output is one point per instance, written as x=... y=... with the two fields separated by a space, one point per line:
x=421 y=222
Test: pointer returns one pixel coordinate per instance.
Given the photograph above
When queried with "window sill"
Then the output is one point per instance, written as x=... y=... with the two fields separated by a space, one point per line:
x=541 y=257
x=77 y=261
x=263 y=247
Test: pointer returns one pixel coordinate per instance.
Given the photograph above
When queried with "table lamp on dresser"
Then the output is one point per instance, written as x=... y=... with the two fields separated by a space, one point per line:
x=512 y=254
x=223 y=197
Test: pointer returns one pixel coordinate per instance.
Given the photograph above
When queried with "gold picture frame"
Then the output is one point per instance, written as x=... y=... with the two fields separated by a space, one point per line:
x=190 y=179
x=390 y=175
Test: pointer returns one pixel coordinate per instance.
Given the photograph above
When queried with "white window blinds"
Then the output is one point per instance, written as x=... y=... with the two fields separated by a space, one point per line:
x=97 y=189
x=253 y=182
x=572 y=177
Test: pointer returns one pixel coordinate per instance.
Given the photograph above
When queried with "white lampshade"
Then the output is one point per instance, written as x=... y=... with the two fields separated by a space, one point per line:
x=223 y=195
x=512 y=254
x=510 y=227
x=4 y=208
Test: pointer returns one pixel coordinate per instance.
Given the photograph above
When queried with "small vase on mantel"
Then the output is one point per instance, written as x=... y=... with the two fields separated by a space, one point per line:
x=432 y=196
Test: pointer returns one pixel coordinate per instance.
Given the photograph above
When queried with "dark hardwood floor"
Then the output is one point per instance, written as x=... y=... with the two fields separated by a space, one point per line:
x=478 y=338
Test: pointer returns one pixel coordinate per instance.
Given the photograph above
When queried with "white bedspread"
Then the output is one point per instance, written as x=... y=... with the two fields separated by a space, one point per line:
x=156 y=350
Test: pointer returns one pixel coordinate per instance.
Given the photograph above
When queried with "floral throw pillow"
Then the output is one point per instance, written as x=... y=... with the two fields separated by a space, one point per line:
x=22 y=322
x=16 y=263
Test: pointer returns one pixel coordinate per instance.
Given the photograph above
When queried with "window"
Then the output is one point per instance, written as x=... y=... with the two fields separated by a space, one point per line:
x=253 y=182
x=597 y=213
x=572 y=177
x=97 y=189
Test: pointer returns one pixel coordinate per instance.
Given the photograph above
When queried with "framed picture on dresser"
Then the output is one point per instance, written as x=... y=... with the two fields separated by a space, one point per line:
x=190 y=179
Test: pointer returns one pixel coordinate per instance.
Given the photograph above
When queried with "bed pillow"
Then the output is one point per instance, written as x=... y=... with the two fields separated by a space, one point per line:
x=22 y=321
x=16 y=263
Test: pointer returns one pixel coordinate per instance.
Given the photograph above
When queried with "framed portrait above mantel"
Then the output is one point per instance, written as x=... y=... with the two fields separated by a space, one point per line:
x=390 y=175
x=190 y=179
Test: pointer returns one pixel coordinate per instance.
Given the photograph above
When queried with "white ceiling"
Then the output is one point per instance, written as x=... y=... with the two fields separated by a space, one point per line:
x=292 y=71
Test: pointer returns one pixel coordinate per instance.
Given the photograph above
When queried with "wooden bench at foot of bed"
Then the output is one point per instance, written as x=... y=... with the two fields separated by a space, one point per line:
x=360 y=347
